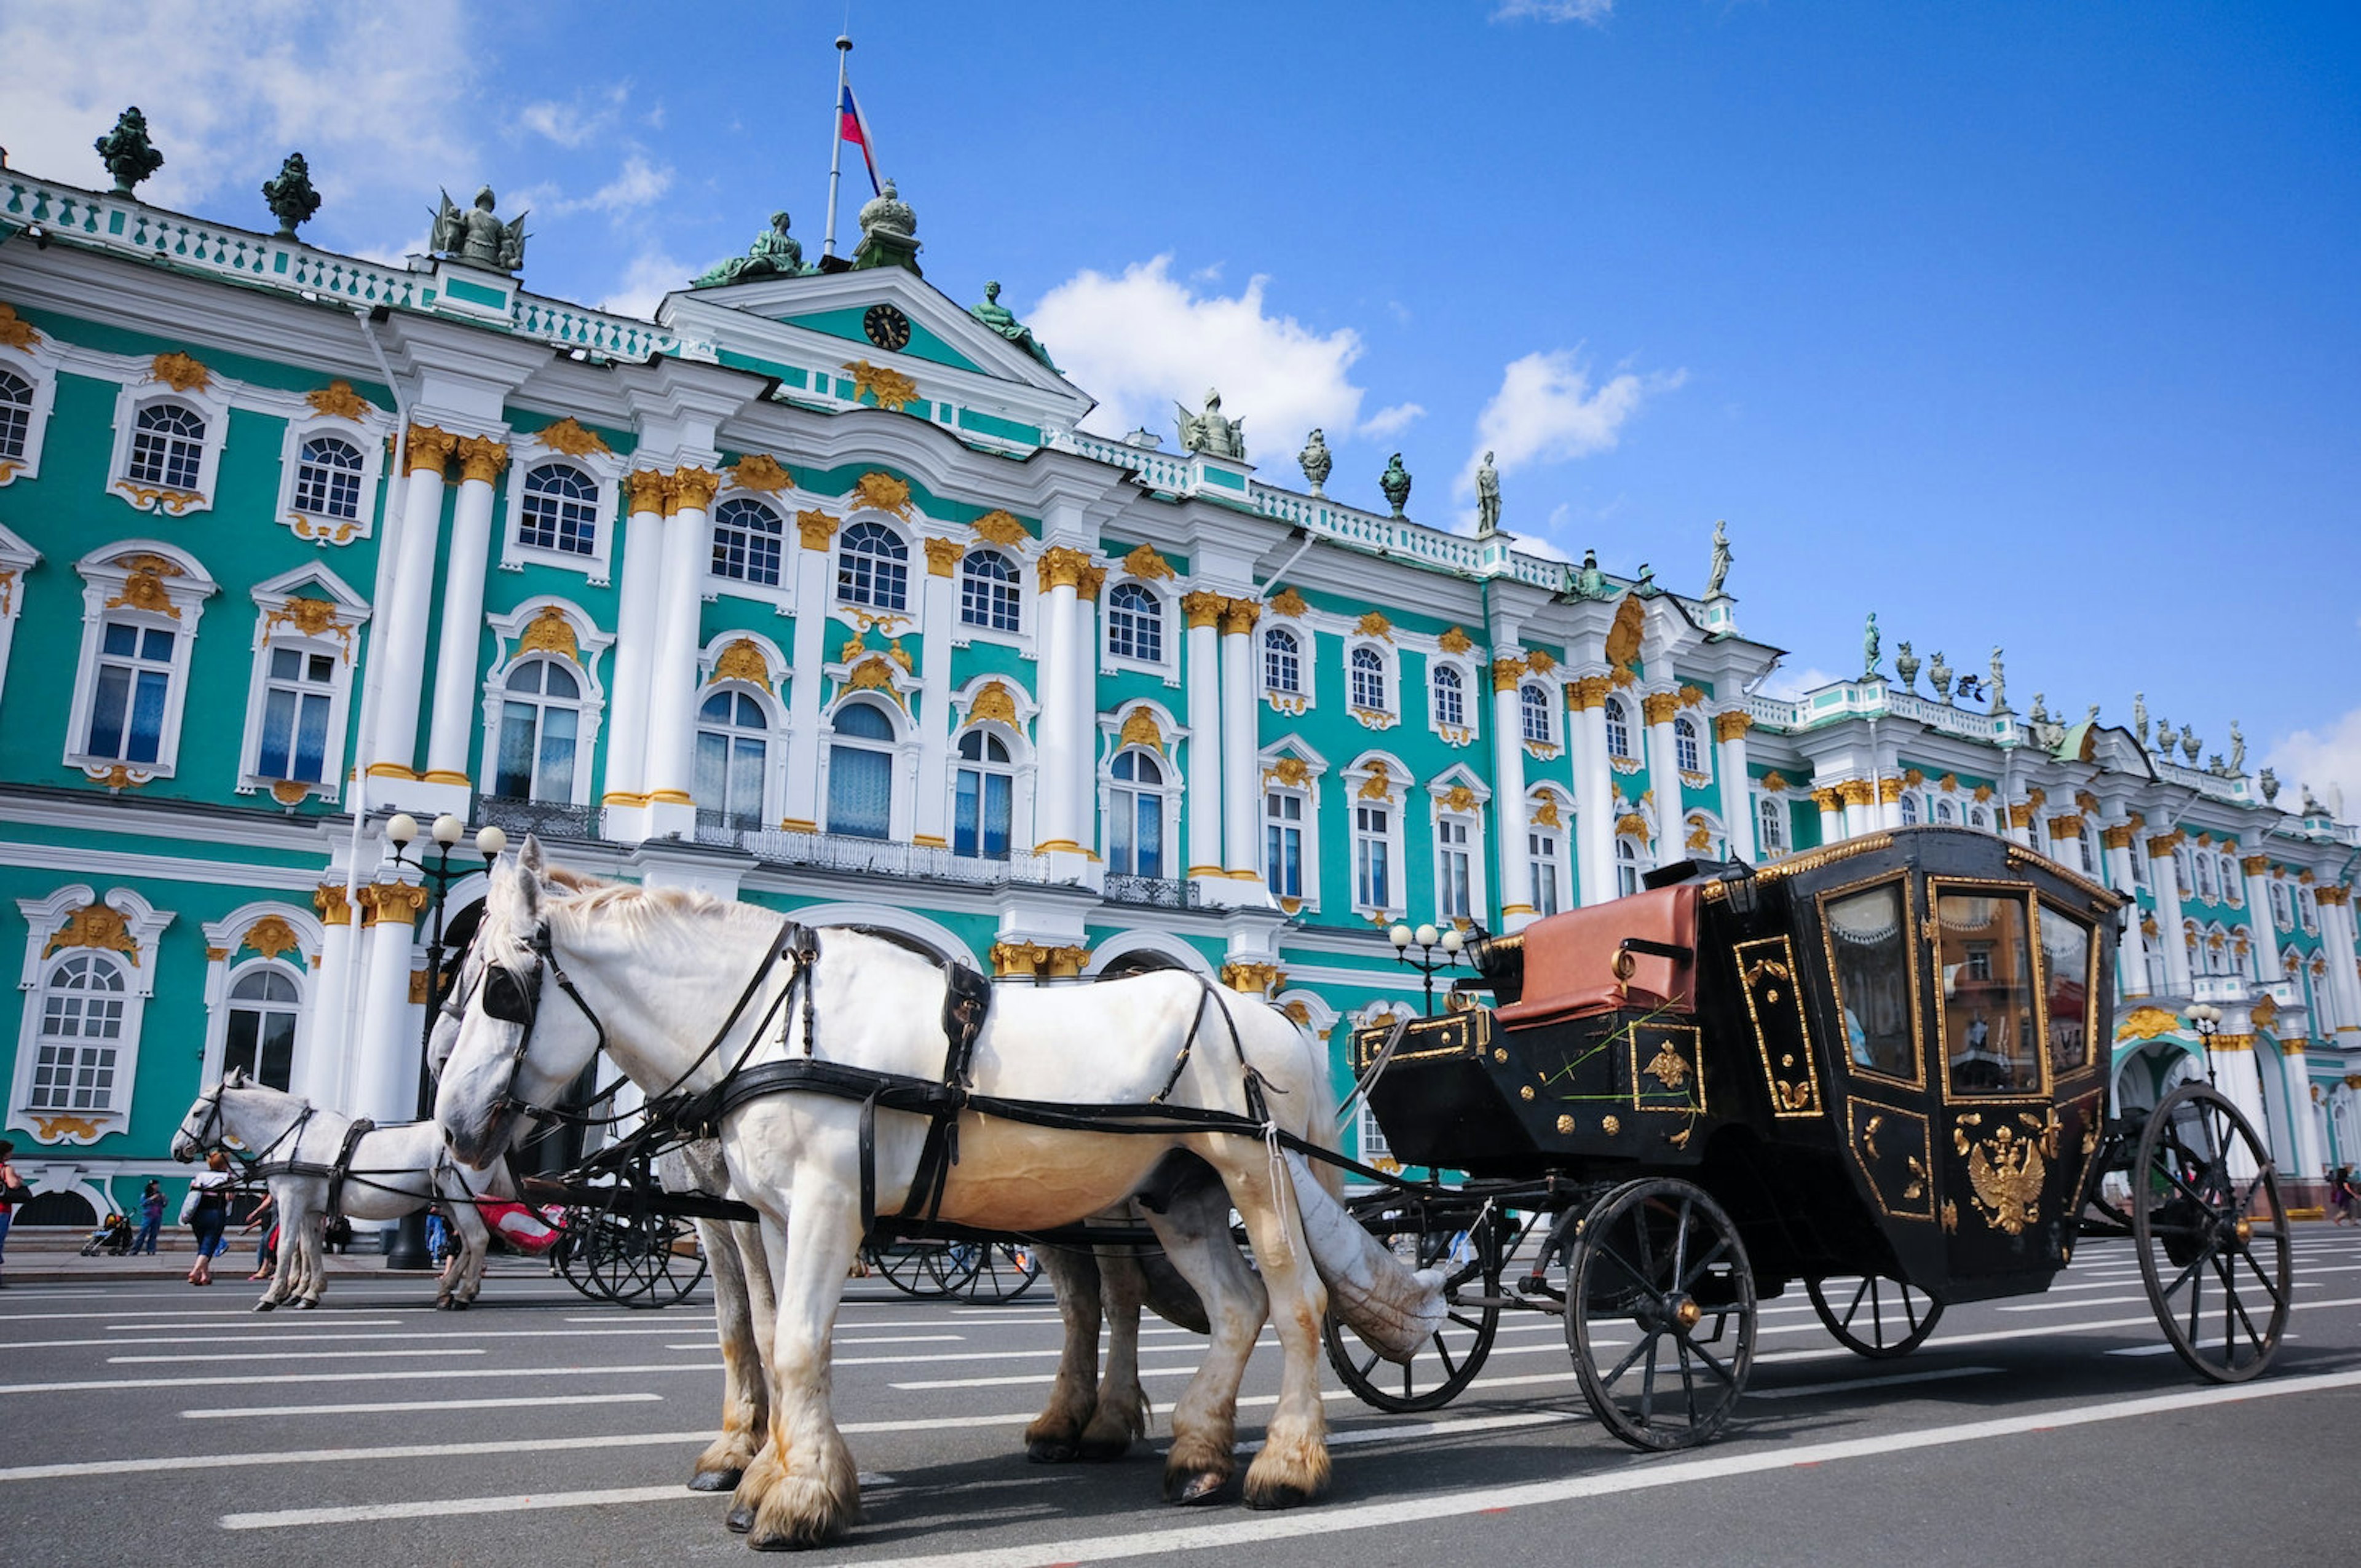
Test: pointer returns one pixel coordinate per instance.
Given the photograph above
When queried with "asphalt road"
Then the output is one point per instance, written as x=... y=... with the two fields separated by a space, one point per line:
x=144 y=1422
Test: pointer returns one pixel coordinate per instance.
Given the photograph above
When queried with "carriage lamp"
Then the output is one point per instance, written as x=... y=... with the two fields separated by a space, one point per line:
x=1739 y=889
x=1429 y=942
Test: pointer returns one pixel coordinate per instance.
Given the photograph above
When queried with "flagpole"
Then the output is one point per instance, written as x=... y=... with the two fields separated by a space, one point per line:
x=836 y=140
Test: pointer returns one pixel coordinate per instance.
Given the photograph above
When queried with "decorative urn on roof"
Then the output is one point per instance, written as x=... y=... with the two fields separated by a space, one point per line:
x=889 y=233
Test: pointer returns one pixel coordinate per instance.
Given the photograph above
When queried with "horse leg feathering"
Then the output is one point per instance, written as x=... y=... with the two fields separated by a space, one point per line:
x=1056 y=1434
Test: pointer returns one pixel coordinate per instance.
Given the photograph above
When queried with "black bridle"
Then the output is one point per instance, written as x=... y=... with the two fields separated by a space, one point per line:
x=208 y=1135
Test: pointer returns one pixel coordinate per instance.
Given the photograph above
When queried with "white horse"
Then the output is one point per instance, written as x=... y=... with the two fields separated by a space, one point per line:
x=394 y=1171
x=639 y=972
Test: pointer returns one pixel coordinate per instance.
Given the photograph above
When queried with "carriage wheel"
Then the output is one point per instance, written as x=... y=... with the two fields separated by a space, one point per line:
x=681 y=1268
x=2214 y=1246
x=1875 y=1315
x=630 y=1255
x=1660 y=1313
x=1002 y=1271
x=1450 y=1359
x=915 y=1268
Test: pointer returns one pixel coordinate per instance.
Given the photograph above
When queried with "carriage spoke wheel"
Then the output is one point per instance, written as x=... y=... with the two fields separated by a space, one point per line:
x=631 y=1258
x=1002 y=1272
x=2212 y=1234
x=923 y=1269
x=1454 y=1354
x=1874 y=1315
x=1660 y=1313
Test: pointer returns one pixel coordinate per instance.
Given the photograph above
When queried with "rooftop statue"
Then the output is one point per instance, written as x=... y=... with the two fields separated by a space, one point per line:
x=2311 y=806
x=2190 y=744
x=1645 y=587
x=127 y=153
x=1211 y=434
x=1720 y=572
x=1488 y=498
x=291 y=197
x=2139 y=716
x=774 y=254
x=1395 y=483
x=1589 y=582
x=1999 y=682
x=889 y=231
x=1938 y=675
x=2237 y=749
x=1906 y=664
x=2164 y=738
x=1003 y=320
x=477 y=236
x=1316 y=463
x=1870 y=643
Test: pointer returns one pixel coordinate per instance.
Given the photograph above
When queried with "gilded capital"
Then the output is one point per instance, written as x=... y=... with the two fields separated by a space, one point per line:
x=1063 y=566
x=2163 y=844
x=943 y=557
x=2021 y=816
x=397 y=900
x=2067 y=826
x=1889 y=790
x=647 y=489
x=1089 y=581
x=430 y=448
x=2330 y=895
x=480 y=458
x=2119 y=836
x=1201 y=608
x=692 y=490
x=1506 y=671
x=1829 y=799
x=1659 y=707
x=1588 y=692
x=1733 y=725
x=817 y=528
x=1858 y=792
x=1238 y=617
x=2254 y=865
x=330 y=901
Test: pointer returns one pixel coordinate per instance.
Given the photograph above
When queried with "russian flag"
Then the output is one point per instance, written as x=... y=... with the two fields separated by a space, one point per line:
x=852 y=126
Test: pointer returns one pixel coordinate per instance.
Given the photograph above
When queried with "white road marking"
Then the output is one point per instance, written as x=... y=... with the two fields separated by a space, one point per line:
x=290 y=1355
x=445 y=1507
x=2074 y=1305
x=241 y=1380
x=1808 y=1391
x=540 y=1401
x=258 y=1321
x=114 y=1468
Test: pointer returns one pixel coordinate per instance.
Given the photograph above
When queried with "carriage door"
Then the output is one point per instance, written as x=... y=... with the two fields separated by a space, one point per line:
x=1998 y=1136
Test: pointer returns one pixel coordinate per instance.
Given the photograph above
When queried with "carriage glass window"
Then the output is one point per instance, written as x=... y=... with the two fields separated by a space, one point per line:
x=1869 y=955
x=2066 y=990
x=1989 y=1039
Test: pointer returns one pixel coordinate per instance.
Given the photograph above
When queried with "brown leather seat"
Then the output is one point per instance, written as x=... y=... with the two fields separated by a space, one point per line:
x=1570 y=958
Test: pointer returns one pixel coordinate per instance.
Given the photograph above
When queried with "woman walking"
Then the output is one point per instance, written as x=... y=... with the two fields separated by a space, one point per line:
x=151 y=1219
x=2341 y=1194
x=207 y=1212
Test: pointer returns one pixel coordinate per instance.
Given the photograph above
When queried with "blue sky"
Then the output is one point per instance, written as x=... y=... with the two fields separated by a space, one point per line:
x=2018 y=324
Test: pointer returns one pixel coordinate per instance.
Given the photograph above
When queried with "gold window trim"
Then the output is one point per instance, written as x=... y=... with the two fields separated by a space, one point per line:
x=1910 y=962
x=2091 y=1036
x=2038 y=977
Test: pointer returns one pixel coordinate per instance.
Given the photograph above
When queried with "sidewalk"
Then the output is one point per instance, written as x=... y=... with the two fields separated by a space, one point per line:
x=54 y=1258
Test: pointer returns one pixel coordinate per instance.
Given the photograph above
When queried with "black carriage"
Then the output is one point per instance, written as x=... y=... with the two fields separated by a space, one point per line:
x=1878 y=1069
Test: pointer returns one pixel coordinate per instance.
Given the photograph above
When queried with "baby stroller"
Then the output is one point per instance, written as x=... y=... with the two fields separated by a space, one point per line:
x=111 y=1239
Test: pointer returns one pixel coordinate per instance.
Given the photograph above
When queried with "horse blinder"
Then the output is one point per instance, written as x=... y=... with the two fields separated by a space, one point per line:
x=510 y=995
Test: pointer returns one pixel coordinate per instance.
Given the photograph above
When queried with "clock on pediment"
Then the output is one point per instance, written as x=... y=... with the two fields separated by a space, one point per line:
x=888 y=327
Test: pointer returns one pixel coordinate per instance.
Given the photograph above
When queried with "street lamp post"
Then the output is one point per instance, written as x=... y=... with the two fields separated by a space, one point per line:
x=409 y=1250
x=1427 y=943
x=2206 y=1019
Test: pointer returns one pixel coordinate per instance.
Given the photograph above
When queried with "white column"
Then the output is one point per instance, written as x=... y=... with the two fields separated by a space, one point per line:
x=326 y=1048
x=2309 y=1146
x=2236 y=1074
x=2131 y=951
x=2019 y=821
x=670 y=769
x=636 y=615
x=2260 y=921
x=813 y=595
x=1508 y=808
x=1059 y=673
x=1889 y=800
x=2335 y=906
x=2167 y=912
x=1829 y=798
x=1595 y=777
x=401 y=637
x=1664 y=775
x=1084 y=756
x=931 y=820
x=1860 y=798
x=459 y=635
x=385 y=1078
x=1737 y=799
x=1241 y=786
x=1202 y=612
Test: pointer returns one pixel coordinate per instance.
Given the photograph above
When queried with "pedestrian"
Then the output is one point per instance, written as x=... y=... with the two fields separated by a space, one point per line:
x=13 y=1191
x=151 y=1220
x=266 y=1252
x=2340 y=1194
x=206 y=1211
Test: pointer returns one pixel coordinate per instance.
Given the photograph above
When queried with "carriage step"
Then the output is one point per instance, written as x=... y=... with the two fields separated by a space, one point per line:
x=1528 y=1303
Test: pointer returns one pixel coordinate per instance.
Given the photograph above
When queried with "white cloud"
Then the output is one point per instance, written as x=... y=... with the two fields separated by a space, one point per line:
x=1594 y=11
x=1788 y=685
x=2330 y=758
x=1547 y=411
x=651 y=276
x=636 y=185
x=1387 y=420
x=230 y=90
x=1144 y=339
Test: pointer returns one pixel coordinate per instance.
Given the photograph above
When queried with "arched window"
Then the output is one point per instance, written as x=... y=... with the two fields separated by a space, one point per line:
x=1910 y=808
x=560 y=510
x=1450 y=698
x=747 y=540
x=983 y=801
x=1618 y=729
x=328 y=478
x=1979 y=817
x=2281 y=916
x=541 y=719
x=1368 y=668
x=1943 y=812
x=16 y=414
x=873 y=567
x=1135 y=624
x=861 y=773
x=733 y=753
x=2234 y=883
x=988 y=590
x=81 y=1029
x=168 y=446
x=1772 y=814
x=1136 y=816
x=1282 y=661
x=1686 y=754
x=263 y=1006
x=2181 y=874
x=1533 y=710
x=2205 y=889
x=1627 y=867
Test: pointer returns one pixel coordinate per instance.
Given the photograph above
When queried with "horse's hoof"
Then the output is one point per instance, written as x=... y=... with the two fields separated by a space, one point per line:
x=1267 y=1498
x=307 y=1305
x=1049 y=1450
x=716 y=1481
x=1189 y=1490
x=739 y=1518
x=265 y=1305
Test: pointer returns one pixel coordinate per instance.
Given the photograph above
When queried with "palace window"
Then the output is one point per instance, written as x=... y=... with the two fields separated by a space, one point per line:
x=168 y=446
x=861 y=773
x=2307 y=909
x=541 y=724
x=1910 y=808
x=1627 y=867
x=1541 y=861
x=2205 y=889
x=1369 y=670
x=1282 y=662
x=264 y=1004
x=988 y=590
x=1450 y=698
x=1771 y=814
x=1373 y=856
x=1979 y=817
x=300 y=695
x=1135 y=624
x=748 y=540
x=873 y=567
x=2282 y=916
x=81 y=1034
x=2181 y=880
x=15 y=415
x=733 y=754
x=328 y=478
x=132 y=693
x=1135 y=815
x=1533 y=711
x=1686 y=754
x=560 y=512
x=1282 y=811
x=1453 y=890
x=1618 y=730
x=2234 y=883
x=982 y=797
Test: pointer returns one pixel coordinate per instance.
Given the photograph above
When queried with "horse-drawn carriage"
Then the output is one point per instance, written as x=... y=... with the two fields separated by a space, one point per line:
x=1879 y=1069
